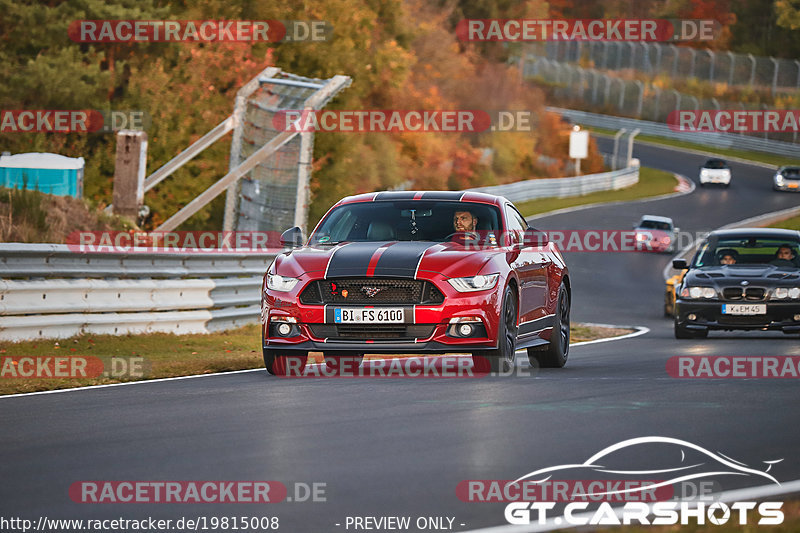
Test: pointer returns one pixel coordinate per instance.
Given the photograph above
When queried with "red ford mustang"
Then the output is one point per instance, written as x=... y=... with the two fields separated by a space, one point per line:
x=427 y=272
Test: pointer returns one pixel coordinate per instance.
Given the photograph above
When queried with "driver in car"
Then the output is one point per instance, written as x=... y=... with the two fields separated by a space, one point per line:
x=784 y=256
x=727 y=256
x=464 y=221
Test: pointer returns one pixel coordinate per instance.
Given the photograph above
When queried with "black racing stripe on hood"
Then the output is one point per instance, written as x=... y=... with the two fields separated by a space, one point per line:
x=352 y=259
x=443 y=195
x=401 y=259
x=395 y=195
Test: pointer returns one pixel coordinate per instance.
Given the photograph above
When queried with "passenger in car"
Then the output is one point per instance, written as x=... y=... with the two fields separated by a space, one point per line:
x=784 y=256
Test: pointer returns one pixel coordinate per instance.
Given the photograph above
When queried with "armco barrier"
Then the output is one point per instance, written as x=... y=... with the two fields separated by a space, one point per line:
x=50 y=291
x=522 y=191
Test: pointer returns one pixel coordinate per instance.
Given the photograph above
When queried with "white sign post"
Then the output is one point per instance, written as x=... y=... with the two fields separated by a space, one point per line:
x=578 y=146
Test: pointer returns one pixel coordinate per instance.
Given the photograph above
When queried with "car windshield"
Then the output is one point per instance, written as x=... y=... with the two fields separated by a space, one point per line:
x=749 y=251
x=419 y=220
x=791 y=173
x=655 y=224
x=715 y=163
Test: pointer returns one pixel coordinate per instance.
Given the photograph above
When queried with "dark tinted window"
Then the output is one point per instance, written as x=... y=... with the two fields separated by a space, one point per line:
x=715 y=163
x=419 y=220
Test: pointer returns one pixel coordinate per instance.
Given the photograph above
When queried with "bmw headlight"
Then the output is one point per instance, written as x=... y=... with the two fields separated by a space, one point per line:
x=474 y=283
x=782 y=293
x=698 y=292
x=280 y=283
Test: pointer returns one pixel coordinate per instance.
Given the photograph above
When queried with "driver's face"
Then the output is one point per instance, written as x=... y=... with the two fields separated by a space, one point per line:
x=464 y=221
x=784 y=253
x=728 y=260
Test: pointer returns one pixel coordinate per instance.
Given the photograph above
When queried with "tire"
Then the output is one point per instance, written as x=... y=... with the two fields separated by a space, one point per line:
x=502 y=359
x=344 y=363
x=684 y=333
x=556 y=353
x=280 y=363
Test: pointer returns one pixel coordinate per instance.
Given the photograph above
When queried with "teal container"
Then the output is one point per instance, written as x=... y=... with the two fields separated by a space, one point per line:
x=49 y=173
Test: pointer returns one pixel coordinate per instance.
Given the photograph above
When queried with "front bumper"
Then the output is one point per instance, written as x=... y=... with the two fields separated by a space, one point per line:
x=425 y=328
x=708 y=316
x=724 y=179
x=787 y=185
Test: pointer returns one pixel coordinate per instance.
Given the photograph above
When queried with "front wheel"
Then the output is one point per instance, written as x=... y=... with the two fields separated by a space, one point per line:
x=503 y=358
x=284 y=363
x=556 y=353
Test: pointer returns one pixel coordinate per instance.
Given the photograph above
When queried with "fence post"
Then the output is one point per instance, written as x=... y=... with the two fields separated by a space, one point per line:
x=129 y=172
x=616 y=148
x=634 y=133
x=752 y=69
x=712 y=56
x=675 y=55
x=733 y=66
x=640 y=103
x=774 y=74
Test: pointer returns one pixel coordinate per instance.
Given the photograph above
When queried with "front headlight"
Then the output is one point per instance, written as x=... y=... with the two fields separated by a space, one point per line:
x=778 y=179
x=280 y=283
x=698 y=292
x=704 y=172
x=782 y=293
x=474 y=283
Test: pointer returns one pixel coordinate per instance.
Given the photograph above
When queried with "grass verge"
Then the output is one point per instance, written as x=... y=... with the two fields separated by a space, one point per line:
x=789 y=223
x=164 y=355
x=652 y=182
x=769 y=159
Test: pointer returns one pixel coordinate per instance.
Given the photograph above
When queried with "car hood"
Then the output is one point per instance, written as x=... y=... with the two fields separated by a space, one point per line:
x=754 y=275
x=405 y=259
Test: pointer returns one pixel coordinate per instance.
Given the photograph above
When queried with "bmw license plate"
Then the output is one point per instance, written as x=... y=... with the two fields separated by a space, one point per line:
x=368 y=315
x=744 y=309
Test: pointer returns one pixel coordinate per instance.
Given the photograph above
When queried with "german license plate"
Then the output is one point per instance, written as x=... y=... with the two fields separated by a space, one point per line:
x=368 y=315
x=744 y=309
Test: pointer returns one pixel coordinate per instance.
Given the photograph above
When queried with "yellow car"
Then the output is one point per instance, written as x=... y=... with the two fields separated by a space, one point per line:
x=669 y=293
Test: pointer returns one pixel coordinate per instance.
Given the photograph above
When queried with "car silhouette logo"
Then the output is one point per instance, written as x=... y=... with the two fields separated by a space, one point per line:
x=745 y=283
x=708 y=464
x=371 y=291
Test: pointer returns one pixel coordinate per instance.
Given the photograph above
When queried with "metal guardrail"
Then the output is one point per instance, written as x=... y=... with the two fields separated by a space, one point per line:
x=522 y=191
x=51 y=291
x=718 y=140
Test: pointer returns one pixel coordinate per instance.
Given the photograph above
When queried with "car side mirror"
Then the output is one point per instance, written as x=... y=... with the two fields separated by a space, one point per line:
x=679 y=264
x=535 y=237
x=292 y=238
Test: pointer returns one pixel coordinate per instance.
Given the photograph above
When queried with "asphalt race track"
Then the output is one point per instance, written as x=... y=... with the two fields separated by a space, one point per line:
x=400 y=447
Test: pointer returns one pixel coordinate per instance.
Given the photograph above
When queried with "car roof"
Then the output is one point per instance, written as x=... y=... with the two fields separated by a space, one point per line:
x=452 y=196
x=716 y=160
x=744 y=233
x=655 y=218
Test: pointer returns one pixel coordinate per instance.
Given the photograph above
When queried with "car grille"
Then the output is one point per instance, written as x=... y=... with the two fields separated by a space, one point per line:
x=377 y=332
x=738 y=293
x=371 y=290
